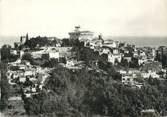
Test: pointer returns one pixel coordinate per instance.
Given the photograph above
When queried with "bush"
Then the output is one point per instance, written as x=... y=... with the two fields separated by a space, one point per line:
x=28 y=57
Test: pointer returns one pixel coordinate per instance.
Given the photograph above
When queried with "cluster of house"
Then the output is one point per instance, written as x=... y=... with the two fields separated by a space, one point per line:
x=116 y=51
x=30 y=77
x=53 y=52
x=135 y=77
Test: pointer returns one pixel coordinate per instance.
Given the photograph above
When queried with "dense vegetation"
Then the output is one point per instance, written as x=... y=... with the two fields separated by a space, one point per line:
x=39 y=42
x=4 y=87
x=6 y=55
x=162 y=57
x=95 y=91
x=88 y=92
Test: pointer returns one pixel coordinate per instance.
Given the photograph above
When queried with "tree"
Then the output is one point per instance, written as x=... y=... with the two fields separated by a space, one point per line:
x=134 y=63
x=88 y=55
x=37 y=41
x=5 y=52
x=4 y=87
x=51 y=63
x=164 y=60
x=45 y=56
x=28 y=57
x=66 y=42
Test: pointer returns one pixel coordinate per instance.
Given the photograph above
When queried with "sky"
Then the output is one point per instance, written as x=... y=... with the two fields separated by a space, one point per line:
x=108 y=17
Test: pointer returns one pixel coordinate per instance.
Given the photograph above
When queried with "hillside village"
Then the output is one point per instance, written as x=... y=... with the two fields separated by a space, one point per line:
x=35 y=58
x=117 y=52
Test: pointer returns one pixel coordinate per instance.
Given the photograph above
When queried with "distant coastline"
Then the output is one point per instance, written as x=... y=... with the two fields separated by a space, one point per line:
x=143 y=41
x=138 y=41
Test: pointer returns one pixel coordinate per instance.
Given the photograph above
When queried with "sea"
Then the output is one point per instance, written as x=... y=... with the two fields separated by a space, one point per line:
x=143 y=41
x=138 y=41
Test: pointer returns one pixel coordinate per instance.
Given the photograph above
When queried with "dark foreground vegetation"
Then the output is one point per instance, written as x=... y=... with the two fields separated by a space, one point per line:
x=88 y=92
x=4 y=87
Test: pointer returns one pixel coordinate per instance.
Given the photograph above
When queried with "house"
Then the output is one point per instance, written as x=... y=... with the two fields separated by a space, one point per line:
x=64 y=52
x=22 y=79
x=105 y=50
x=70 y=63
x=114 y=58
x=54 y=55
x=149 y=74
x=29 y=73
x=128 y=57
x=37 y=54
x=96 y=42
x=142 y=61
x=153 y=66
x=149 y=113
x=14 y=52
x=115 y=50
x=22 y=67
x=142 y=54
x=128 y=79
x=122 y=71
x=54 y=52
x=21 y=53
x=135 y=53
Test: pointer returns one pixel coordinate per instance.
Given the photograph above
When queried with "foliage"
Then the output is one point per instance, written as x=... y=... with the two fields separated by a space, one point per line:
x=51 y=63
x=134 y=63
x=88 y=55
x=37 y=41
x=6 y=56
x=4 y=87
x=66 y=42
x=88 y=92
x=45 y=56
x=5 y=52
x=27 y=56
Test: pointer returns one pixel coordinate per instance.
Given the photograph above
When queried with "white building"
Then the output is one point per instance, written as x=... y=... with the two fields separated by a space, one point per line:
x=141 y=61
x=29 y=73
x=13 y=52
x=37 y=54
x=128 y=80
x=21 y=53
x=114 y=57
x=96 y=42
x=105 y=51
x=150 y=74
x=54 y=55
x=70 y=63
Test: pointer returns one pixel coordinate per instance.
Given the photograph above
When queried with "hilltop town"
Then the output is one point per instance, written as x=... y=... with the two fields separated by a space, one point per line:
x=41 y=65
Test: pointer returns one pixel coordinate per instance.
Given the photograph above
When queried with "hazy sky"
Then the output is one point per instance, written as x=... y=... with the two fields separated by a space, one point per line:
x=58 y=17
